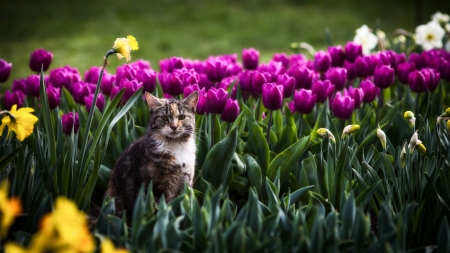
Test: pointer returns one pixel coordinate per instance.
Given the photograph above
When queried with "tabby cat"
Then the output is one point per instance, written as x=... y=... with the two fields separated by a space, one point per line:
x=165 y=155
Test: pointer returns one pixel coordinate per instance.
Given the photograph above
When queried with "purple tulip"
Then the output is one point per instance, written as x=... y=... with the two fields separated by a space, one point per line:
x=297 y=60
x=233 y=69
x=283 y=58
x=92 y=74
x=337 y=55
x=322 y=61
x=13 y=98
x=246 y=81
x=418 y=81
x=433 y=77
x=444 y=69
x=70 y=121
x=322 y=89
x=114 y=90
x=231 y=111
x=79 y=91
x=272 y=96
x=54 y=96
x=250 y=58
x=20 y=84
x=126 y=71
x=420 y=60
x=141 y=65
x=196 y=65
x=64 y=76
x=130 y=88
x=304 y=101
x=5 y=70
x=403 y=71
x=88 y=101
x=303 y=77
x=169 y=65
x=226 y=82
x=357 y=94
x=215 y=70
x=201 y=103
x=188 y=90
x=291 y=106
x=259 y=80
x=203 y=82
x=33 y=85
x=352 y=51
x=216 y=100
x=343 y=106
x=337 y=76
x=274 y=68
x=40 y=58
x=107 y=84
x=369 y=89
x=383 y=76
x=388 y=58
x=363 y=66
x=350 y=67
x=288 y=83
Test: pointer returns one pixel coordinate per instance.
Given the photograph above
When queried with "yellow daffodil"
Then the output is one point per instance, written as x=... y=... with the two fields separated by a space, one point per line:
x=382 y=136
x=108 y=247
x=421 y=148
x=323 y=132
x=409 y=116
x=446 y=113
x=14 y=248
x=414 y=142
x=123 y=46
x=20 y=121
x=9 y=208
x=350 y=129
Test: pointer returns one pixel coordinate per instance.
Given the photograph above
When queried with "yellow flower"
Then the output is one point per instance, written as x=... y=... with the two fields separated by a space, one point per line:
x=20 y=121
x=323 y=132
x=350 y=129
x=446 y=113
x=382 y=136
x=14 y=248
x=123 y=46
x=9 y=208
x=421 y=148
x=448 y=125
x=409 y=116
x=108 y=247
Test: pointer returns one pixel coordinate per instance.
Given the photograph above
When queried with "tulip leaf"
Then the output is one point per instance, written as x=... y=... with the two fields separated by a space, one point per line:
x=286 y=159
x=203 y=141
x=72 y=106
x=217 y=164
x=254 y=172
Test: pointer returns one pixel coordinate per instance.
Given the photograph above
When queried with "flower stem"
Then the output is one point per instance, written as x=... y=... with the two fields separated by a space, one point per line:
x=417 y=103
x=258 y=105
x=213 y=128
x=380 y=101
x=268 y=127
x=300 y=126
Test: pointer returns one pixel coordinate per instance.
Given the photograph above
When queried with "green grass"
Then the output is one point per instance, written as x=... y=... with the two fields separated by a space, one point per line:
x=80 y=32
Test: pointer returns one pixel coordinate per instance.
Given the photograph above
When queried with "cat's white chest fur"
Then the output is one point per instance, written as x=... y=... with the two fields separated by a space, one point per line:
x=184 y=154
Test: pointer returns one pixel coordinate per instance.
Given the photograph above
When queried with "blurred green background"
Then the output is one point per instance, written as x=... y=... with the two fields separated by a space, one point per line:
x=80 y=32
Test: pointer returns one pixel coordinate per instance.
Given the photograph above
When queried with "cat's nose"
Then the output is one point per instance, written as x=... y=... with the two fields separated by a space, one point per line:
x=173 y=128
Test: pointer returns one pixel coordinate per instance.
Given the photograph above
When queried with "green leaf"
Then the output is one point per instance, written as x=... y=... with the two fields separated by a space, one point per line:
x=297 y=195
x=287 y=159
x=443 y=240
x=217 y=164
x=254 y=172
x=366 y=196
x=203 y=141
x=8 y=158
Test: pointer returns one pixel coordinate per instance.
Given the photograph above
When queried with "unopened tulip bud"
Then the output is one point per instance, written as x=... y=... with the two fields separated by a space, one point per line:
x=409 y=116
x=382 y=136
x=350 y=129
x=323 y=132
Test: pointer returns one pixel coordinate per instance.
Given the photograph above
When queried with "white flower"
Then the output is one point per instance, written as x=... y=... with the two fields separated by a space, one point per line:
x=447 y=46
x=440 y=17
x=447 y=27
x=414 y=142
x=366 y=39
x=382 y=136
x=429 y=35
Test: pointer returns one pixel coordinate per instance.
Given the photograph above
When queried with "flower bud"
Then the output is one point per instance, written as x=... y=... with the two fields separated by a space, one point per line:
x=364 y=66
x=409 y=116
x=107 y=84
x=403 y=70
x=322 y=89
x=272 y=96
x=303 y=77
x=80 y=90
x=322 y=61
x=337 y=76
x=13 y=98
x=169 y=65
x=40 y=58
x=352 y=51
x=33 y=84
x=70 y=121
x=343 y=106
x=201 y=104
x=92 y=74
x=283 y=58
x=259 y=80
x=304 y=101
x=288 y=83
x=250 y=58
x=350 y=129
x=216 y=100
x=382 y=136
x=20 y=84
x=421 y=148
x=88 y=101
x=357 y=94
x=215 y=70
x=188 y=90
x=337 y=55
x=369 y=89
x=403 y=156
x=323 y=132
x=383 y=76
x=231 y=111
x=417 y=81
x=54 y=96
x=5 y=70
x=130 y=88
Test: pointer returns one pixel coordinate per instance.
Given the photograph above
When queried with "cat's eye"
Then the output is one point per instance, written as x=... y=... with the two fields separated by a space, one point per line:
x=181 y=117
x=165 y=118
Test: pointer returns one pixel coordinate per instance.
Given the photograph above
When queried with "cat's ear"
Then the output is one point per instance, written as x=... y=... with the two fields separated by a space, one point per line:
x=152 y=101
x=191 y=100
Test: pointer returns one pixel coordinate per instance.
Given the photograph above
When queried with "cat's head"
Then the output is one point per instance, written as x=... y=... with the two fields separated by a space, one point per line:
x=172 y=118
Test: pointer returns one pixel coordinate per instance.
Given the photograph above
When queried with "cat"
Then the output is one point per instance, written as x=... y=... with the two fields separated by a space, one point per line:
x=165 y=155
